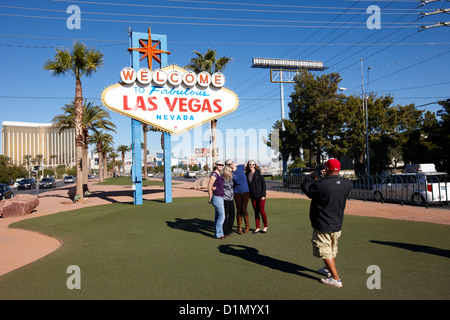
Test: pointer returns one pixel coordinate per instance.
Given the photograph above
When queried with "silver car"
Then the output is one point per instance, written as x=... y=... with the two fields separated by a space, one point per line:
x=418 y=188
x=69 y=179
x=47 y=183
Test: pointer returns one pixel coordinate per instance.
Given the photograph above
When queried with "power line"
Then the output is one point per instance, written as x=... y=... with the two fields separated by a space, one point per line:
x=196 y=23
x=396 y=72
x=376 y=42
x=203 y=8
x=269 y=5
x=184 y=17
x=239 y=43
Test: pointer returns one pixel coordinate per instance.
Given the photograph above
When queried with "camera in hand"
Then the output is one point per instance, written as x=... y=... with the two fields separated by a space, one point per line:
x=319 y=170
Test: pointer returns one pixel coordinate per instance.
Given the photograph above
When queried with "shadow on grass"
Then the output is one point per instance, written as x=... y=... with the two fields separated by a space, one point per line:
x=253 y=255
x=416 y=248
x=202 y=226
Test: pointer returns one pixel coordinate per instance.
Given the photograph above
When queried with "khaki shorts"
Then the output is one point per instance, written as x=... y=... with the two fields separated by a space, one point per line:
x=325 y=244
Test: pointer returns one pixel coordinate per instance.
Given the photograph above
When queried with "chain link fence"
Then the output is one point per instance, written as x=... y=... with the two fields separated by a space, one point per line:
x=422 y=189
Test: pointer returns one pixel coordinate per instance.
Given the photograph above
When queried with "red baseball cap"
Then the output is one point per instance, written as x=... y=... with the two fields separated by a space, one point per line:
x=333 y=165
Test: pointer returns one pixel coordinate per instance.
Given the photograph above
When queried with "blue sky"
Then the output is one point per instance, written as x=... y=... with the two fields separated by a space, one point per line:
x=397 y=58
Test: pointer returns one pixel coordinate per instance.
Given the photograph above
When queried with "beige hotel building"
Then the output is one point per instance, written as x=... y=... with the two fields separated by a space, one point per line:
x=24 y=138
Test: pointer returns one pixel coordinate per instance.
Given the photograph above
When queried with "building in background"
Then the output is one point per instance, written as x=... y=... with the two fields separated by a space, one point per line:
x=25 y=138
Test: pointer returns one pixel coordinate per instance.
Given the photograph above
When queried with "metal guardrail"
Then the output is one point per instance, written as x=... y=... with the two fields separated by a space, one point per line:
x=423 y=189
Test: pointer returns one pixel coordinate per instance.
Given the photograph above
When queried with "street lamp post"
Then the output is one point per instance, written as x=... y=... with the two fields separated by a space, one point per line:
x=364 y=102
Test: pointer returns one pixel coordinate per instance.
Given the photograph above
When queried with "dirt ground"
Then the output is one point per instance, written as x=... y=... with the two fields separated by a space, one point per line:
x=20 y=247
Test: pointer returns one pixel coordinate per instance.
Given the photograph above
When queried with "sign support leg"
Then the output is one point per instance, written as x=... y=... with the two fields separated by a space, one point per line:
x=136 y=127
x=167 y=168
x=136 y=168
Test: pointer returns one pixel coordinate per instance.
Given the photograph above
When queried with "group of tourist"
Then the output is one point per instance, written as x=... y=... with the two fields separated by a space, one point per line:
x=327 y=190
x=231 y=184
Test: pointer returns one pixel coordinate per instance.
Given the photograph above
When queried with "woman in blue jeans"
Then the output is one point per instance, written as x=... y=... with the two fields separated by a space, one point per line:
x=216 y=193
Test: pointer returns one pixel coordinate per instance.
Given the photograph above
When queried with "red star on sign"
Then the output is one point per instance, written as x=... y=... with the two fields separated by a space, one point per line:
x=149 y=50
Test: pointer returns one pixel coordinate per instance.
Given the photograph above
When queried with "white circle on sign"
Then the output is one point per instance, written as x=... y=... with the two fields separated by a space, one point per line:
x=128 y=75
x=204 y=79
x=174 y=77
x=189 y=78
x=218 y=79
x=159 y=77
x=144 y=75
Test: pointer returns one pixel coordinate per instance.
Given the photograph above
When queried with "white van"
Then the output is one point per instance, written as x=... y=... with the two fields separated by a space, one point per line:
x=421 y=167
x=419 y=188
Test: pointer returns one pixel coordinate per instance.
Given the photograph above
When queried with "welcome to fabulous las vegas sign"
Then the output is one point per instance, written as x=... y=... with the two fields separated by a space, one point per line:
x=170 y=99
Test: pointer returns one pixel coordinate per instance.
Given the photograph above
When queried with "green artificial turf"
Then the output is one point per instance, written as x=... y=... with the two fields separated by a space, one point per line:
x=168 y=251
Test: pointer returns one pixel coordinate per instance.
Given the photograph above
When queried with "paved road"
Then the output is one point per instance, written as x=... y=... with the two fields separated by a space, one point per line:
x=35 y=191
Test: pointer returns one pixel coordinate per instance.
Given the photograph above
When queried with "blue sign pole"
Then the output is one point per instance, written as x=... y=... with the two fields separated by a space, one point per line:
x=136 y=165
x=167 y=168
x=167 y=136
x=136 y=128
x=136 y=168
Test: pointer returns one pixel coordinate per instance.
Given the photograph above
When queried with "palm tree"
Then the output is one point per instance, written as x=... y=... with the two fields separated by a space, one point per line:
x=94 y=118
x=208 y=62
x=123 y=149
x=107 y=148
x=99 y=138
x=118 y=164
x=113 y=155
x=80 y=61
x=211 y=64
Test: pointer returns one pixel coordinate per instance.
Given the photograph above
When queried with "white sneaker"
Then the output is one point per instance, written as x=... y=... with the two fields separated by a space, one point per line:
x=330 y=281
x=325 y=272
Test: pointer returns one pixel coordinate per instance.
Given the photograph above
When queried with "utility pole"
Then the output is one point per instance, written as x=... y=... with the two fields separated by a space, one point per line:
x=437 y=11
x=365 y=106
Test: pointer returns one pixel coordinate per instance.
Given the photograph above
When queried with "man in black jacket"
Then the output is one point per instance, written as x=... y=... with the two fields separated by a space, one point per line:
x=326 y=213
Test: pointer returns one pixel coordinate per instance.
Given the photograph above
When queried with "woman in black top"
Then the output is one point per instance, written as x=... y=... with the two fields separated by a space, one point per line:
x=257 y=186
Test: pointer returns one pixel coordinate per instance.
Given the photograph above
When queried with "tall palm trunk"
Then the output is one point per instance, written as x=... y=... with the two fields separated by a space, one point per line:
x=105 y=165
x=86 y=165
x=113 y=166
x=100 y=161
x=79 y=137
x=123 y=163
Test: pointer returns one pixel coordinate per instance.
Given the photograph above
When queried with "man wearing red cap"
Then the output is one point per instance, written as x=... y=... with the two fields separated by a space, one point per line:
x=328 y=197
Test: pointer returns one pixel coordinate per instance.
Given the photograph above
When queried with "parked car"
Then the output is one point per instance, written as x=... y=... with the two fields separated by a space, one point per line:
x=27 y=184
x=295 y=177
x=47 y=183
x=69 y=179
x=418 y=188
x=301 y=171
x=16 y=184
x=5 y=191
